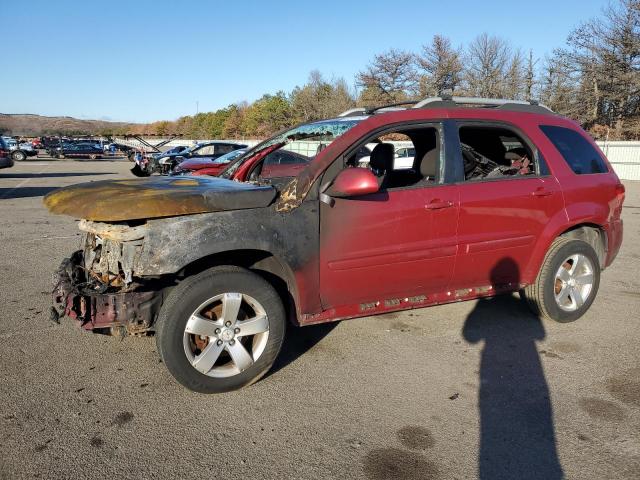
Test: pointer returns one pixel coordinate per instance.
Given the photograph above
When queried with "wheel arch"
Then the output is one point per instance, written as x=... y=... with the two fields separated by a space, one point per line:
x=264 y=263
x=590 y=232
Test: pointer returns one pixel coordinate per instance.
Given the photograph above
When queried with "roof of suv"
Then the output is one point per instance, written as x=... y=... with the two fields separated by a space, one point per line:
x=448 y=101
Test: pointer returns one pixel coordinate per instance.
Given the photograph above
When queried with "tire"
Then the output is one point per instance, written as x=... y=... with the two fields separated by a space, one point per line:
x=93 y=156
x=561 y=295
x=181 y=350
x=18 y=156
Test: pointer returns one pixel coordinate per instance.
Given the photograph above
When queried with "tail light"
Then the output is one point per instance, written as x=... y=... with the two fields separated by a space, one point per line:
x=3 y=152
x=620 y=193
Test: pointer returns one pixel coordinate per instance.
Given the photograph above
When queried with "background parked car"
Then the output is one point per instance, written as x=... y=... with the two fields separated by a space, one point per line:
x=180 y=149
x=90 y=150
x=198 y=166
x=202 y=151
x=164 y=164
x=5 y=158
x=19 y=151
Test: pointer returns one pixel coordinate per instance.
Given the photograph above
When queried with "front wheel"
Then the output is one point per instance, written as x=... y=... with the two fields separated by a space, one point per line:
x=220 y=330
x=18 y=156
x=567 y=283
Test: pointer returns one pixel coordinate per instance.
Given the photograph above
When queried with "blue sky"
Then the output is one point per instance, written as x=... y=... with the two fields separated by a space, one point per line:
x=151 y=60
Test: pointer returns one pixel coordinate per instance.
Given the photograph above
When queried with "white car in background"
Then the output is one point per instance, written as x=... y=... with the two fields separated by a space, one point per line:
x=403 y=156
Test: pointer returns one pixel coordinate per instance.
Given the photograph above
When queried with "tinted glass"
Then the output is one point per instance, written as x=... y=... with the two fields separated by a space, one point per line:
x=576 y=150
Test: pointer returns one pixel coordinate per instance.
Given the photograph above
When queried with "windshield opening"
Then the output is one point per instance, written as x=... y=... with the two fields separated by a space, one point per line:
x=287 y=153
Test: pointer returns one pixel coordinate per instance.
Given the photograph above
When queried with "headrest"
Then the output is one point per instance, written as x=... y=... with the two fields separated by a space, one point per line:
x=382 y=158
x=429 y=163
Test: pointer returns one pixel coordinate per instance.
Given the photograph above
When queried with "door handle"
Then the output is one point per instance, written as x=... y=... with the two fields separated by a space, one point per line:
x=438 y=204
x=541 y=192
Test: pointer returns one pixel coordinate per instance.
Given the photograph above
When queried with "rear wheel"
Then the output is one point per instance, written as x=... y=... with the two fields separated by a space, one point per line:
x=567 y=283
x=220 y=330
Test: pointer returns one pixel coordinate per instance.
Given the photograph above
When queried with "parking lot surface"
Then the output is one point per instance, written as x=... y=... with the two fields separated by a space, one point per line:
x=480 y=388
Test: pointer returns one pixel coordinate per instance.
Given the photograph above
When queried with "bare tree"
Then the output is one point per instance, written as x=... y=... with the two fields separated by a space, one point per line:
x=530 y=76
x=558 y=86
x=514 y=81
x=439 y=67
x=390 y=77
x=486 y=65
x=604 y=57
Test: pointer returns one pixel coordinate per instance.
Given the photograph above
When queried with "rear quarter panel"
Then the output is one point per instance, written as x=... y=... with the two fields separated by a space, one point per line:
x=589 y=198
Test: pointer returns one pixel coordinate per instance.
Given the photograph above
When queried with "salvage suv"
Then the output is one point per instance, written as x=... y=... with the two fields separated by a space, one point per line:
x=502 y=196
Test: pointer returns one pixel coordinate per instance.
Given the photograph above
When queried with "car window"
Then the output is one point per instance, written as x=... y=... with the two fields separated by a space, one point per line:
x=206 y=150
x=222 y=149
x=579 y=154
x=490 y=152
x=401 y=158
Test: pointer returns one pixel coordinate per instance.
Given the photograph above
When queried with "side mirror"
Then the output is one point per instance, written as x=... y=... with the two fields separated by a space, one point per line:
x=354 y=182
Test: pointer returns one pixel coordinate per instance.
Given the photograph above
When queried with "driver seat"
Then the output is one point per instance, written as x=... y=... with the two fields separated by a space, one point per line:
x=381 y=162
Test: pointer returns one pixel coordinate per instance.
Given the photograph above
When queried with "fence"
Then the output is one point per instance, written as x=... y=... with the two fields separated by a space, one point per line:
x=624 y=157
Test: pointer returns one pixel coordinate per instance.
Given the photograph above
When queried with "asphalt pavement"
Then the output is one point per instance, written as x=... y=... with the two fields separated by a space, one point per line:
x=480 y=388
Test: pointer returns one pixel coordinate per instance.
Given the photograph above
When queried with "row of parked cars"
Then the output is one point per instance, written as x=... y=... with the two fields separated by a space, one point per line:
x=211 y=158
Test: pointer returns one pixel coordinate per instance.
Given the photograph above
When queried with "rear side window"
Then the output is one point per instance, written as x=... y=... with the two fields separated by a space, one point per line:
x=576 y=150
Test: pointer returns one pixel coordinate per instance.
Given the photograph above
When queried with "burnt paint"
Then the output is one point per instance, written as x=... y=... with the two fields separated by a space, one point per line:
x=133 y=199
x=292 y=238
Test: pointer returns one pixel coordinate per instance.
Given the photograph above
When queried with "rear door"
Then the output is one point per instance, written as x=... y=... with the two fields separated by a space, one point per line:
x=504 y=210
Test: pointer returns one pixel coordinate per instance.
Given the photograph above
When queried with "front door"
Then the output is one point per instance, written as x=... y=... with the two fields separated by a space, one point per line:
x=394 y=244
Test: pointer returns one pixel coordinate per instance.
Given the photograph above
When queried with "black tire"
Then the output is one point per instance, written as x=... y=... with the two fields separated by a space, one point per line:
x=185 y=298
x=18 y=156
x=541 y=295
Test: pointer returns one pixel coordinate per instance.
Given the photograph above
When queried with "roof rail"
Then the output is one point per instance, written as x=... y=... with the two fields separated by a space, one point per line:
x=448 y=101
x=353 y=111
x=532 y=106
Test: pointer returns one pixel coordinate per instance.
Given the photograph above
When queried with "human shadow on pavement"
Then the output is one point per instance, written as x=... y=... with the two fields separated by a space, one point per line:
x=517 y=436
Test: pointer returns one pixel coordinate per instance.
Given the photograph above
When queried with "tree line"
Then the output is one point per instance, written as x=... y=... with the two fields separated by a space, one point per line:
x=594 y=78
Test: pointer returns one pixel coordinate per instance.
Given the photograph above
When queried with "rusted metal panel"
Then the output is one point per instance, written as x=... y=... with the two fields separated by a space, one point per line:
x=75 y=296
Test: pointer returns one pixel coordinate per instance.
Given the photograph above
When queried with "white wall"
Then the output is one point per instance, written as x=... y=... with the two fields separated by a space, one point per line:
x=624 y=157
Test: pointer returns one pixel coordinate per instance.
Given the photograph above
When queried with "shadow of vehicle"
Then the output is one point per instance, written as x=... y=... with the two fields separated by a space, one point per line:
x=298 y=341
x=24 y=192
x=517 y=436
x=54 y=174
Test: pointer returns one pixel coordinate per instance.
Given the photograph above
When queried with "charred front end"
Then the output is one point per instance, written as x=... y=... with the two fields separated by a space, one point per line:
x=137 y=234
x=96 y=285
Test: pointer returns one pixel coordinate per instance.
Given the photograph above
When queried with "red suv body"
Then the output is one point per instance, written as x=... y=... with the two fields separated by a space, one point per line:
x=499 y=199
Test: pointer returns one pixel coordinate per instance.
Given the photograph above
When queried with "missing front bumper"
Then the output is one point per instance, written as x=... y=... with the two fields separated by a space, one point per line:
x=131 y=311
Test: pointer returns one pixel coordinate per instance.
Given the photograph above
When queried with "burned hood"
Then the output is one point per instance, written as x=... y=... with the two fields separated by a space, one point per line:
x=154 y=197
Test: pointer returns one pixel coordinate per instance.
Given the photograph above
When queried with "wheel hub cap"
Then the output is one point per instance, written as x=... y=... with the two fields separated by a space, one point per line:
x=574 y=282
x=226 y=335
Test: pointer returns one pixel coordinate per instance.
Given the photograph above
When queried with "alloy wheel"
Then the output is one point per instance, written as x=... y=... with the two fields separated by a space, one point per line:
x=574 y=282
x=226 y=334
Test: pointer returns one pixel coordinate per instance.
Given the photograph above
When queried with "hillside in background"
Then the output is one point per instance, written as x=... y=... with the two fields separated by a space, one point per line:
x=35 y=125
